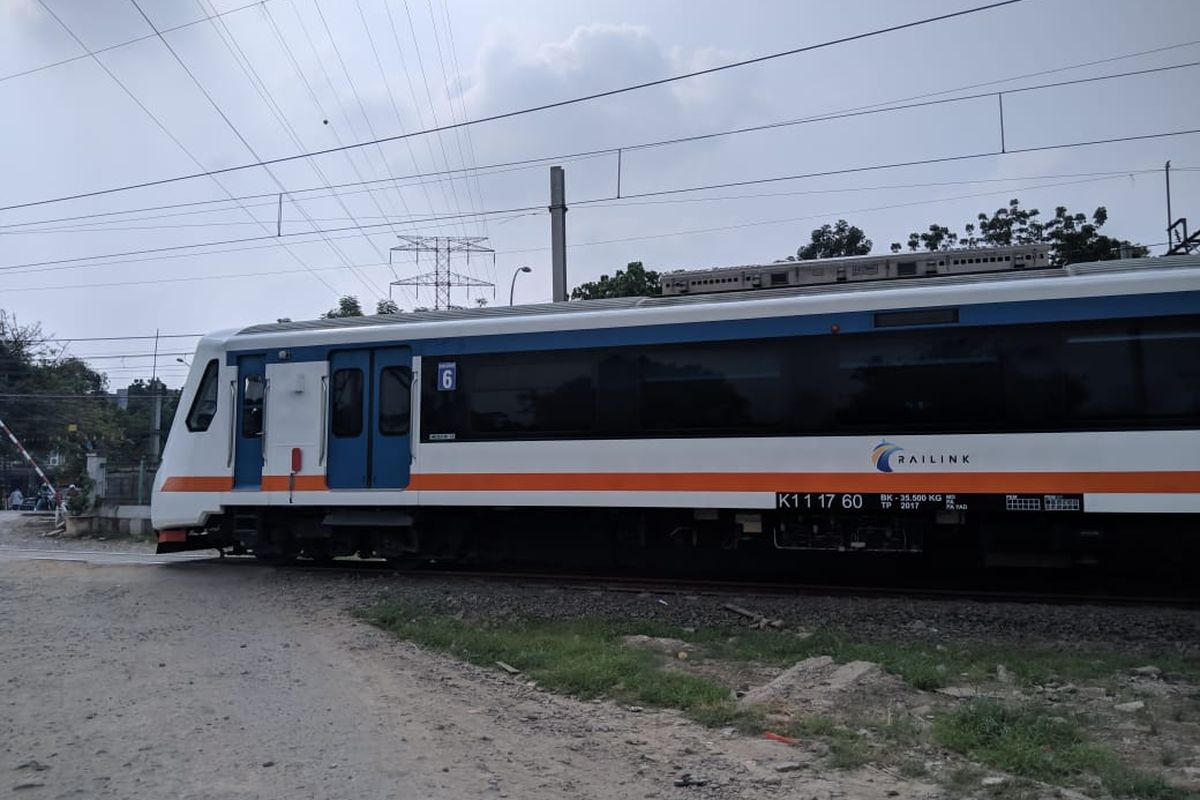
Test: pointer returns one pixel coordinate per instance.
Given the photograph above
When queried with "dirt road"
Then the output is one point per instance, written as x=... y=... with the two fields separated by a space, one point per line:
x=198 y=680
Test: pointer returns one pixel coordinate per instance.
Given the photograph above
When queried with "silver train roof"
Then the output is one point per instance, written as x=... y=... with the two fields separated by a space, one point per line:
x=579 y=306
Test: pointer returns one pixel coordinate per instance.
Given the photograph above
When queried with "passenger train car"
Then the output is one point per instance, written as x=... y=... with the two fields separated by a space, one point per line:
x=1053 y=409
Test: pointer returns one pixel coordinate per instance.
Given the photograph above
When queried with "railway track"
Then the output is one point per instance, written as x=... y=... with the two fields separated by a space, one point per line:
x=732 y=588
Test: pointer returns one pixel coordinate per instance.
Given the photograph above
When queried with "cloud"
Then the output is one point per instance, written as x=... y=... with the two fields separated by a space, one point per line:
x=595 y=58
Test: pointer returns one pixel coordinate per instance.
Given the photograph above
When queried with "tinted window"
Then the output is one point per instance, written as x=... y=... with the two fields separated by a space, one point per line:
x=1171 y=370
x=394 y=400
x=346 y=399
x=711 y=387
x=253 y=389
x=204 y=406
x=916 y=381
x=555 y=392
x=1077 y=376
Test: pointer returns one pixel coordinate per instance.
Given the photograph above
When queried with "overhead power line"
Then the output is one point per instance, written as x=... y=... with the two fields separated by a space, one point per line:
x=127 y=42
x=273 y=273
x=259 y=162
x=148 y=337
x=878 y=108
x=320 y=232
x=658 y=193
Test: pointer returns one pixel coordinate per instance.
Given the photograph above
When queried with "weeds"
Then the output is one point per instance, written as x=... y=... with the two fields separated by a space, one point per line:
x=1030 y=743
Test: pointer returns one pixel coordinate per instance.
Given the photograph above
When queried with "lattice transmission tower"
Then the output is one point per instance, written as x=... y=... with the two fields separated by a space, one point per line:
x=442 y=279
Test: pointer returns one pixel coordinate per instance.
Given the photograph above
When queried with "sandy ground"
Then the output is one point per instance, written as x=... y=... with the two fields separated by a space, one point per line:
x=200 y=680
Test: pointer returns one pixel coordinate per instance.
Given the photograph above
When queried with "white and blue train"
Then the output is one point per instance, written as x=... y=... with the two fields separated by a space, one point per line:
x=1058 y=406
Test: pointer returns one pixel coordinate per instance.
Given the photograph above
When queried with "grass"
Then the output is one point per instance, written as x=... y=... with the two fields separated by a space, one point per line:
x=582 y=657
x=586 y=658
x=1029 y=742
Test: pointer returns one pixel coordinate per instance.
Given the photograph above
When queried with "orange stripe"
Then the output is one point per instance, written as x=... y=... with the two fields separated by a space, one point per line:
x=218 y=483
x=304 y=483
x=172 y=535
x=1167 y=482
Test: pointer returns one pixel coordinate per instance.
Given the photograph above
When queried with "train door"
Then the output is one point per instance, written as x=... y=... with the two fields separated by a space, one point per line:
x=349 y=420
x=391 y=452
x=369 y=418
x=250 y=421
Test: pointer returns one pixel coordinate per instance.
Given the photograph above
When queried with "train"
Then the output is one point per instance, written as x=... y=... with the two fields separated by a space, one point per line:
x=1047 y=415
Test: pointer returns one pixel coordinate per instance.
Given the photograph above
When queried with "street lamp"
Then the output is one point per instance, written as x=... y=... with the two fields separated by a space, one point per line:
x=186 y=364
x=513 y=285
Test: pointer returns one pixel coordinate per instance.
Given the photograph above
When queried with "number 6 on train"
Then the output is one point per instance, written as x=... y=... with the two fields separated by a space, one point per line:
x=447 y=377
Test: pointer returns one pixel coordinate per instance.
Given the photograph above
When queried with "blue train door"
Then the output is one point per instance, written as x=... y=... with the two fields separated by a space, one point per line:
x=251 y=418
x=370 y=396
x=391 y=453
x=349 y=420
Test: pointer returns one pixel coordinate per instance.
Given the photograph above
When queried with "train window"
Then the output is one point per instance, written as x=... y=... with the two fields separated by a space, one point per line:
x=905 y=268
x=1101 y=374
x=707 y=387
x=253 y=390
x=919 y=380
x=394 y=400
x=532 y=393
x=1170 y=365
x=346 y=399
x=204 y=406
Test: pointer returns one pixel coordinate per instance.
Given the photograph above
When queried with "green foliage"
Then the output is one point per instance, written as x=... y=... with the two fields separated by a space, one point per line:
x=1029 y=742
x=633 y=281
x=832 y=241
x=386 y=306
x=34 y=372
x=348 y=306
x=1072 y=237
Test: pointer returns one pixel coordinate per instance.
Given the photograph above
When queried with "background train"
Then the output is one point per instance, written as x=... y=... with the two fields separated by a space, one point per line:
x=1050 y=415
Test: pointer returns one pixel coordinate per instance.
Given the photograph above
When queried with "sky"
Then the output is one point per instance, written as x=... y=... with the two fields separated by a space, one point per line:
x=149 y=90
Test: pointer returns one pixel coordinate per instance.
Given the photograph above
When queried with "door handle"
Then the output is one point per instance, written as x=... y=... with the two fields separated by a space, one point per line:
x=232 y=420
x=265 y=431
x=324 y=419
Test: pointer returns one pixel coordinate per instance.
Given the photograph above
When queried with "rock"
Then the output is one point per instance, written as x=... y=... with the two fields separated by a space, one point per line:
x=1130 y=707
x=268 y=764
x=682 y=655
x=960 y=692
x=27 y=785
x=789 y=766
x=850 y=673
x=993 y=780
x=1148 y=671
x=33 y=764
x=687 y=779
x=636 y=709
x=1003 y=675
x=657 y=644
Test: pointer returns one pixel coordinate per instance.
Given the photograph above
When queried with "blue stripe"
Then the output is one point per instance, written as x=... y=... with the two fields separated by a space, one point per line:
x=1027 y=312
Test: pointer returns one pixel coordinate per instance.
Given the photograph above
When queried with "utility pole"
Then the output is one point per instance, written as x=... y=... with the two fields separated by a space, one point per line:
x=156 y=415
x=442 y=279
x=558 y=235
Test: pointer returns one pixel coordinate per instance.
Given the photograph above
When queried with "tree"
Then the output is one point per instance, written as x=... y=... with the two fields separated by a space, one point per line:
x=481 y=302
x=833 y=241
x=1075 y=239
x=348 y=306
x=633 y=281
x=1071 y=237
x=387 y=306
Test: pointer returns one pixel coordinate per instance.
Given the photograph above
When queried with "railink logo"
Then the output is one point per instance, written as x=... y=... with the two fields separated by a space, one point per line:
x=882 y=455
x=887 y=456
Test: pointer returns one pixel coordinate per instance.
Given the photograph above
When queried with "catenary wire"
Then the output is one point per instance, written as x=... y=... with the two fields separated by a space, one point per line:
x=259 y=162
x=880 y=108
